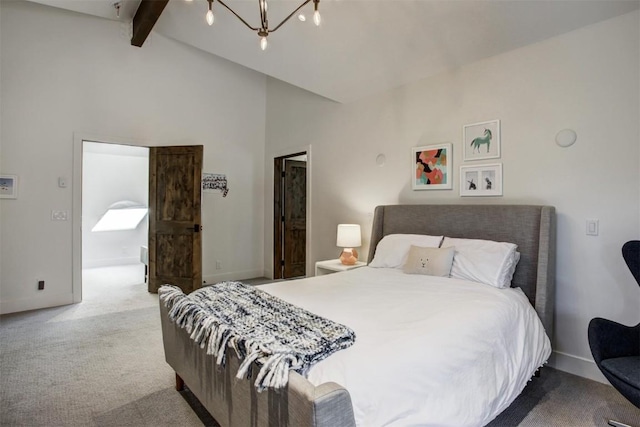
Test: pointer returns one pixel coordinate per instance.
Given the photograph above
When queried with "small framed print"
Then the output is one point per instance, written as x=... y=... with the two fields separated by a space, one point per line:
x=484 y=180
x=431 y=167
x=215 y=183
x=481 y=140
x=8 y=186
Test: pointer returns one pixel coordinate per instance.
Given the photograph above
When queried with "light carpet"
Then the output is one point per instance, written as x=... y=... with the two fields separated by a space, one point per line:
x=101 y=363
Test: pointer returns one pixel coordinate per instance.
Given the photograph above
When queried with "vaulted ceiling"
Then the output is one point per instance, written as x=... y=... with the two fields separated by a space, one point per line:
x=365 y=46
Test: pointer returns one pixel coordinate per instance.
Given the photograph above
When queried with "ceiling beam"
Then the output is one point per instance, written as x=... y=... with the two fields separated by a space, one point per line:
x=146 y=16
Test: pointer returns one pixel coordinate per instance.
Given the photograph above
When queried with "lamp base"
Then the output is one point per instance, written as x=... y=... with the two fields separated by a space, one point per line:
x=349 y=257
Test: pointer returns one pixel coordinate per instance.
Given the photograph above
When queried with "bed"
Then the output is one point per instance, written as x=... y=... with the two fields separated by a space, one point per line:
x=350 y=388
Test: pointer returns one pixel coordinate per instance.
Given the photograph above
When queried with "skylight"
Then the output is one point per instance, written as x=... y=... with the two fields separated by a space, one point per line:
x=121 y=216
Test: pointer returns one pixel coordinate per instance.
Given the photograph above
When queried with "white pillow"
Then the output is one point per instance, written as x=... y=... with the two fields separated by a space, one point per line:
x=483 y=261
x=509 y=270
x=429 y=261
x=393 y=249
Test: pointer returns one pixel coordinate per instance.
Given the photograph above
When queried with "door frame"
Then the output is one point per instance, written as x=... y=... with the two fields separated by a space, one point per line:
x=279 y=168
x=76 y=208
x=269 y=208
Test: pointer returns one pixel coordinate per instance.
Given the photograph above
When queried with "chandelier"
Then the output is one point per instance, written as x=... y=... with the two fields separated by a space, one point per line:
x=263 y=30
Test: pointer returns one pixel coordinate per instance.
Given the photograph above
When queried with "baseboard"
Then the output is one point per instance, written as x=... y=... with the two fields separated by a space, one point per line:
x=109 y=262
x=34 y=303
x=576 y=365
x=235 y=275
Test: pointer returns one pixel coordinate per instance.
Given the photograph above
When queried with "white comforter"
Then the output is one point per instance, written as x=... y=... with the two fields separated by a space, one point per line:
x=429 y=351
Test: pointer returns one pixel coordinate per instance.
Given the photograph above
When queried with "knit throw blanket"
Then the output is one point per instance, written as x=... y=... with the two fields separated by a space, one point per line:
x=277 y=335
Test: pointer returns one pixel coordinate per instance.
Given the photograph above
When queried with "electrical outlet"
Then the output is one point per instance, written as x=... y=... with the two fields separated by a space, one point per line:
x=40 y=285
x=218 y=264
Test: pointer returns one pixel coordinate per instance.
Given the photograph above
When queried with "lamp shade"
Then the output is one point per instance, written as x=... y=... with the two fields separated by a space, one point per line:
x=349 y=236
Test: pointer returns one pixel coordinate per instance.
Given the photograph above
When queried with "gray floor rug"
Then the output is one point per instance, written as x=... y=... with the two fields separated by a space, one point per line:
x=100 y=364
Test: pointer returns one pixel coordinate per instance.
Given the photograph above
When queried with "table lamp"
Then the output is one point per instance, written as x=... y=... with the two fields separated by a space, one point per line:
x=348 y=238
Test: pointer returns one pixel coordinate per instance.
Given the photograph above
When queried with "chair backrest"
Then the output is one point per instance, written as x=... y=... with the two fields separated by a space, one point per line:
x=631 y=255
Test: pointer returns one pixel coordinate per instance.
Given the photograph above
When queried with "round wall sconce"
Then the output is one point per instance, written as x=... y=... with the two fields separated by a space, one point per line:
x=381 y=159
x=566 y=137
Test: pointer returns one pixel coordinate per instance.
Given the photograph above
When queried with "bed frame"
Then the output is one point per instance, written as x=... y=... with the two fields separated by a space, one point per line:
x=236 y=403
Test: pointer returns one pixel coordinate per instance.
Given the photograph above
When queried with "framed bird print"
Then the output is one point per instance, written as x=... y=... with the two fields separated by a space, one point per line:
x=481 y=140
x=8 y=186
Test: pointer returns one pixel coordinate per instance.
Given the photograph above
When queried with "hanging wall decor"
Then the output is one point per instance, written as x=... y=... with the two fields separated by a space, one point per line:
x=215 y=183
x=481 y=140
x=8 y=186
x=431 y=167
x=482 y=180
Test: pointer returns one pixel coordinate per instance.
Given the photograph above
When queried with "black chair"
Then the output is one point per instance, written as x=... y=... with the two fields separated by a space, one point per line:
x=616 y=347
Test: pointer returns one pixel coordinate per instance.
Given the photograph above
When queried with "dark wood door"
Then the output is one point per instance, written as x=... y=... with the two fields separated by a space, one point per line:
x=175 y=241
x=295 y=218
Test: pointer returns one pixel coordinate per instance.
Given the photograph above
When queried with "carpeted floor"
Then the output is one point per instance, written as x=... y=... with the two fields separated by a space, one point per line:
x=101 y=363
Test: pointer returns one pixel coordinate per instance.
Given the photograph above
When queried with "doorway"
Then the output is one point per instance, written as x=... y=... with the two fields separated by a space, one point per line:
x=115 y=194
x=290 y=216
x=171 y=179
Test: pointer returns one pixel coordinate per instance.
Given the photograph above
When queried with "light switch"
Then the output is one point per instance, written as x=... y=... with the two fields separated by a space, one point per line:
x=59 y=215
x=62 y=182
x=592 y=227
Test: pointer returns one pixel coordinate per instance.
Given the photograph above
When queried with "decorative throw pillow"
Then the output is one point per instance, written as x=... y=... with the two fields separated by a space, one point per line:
x=429 y=261
x=392 y=250
x=483 y=261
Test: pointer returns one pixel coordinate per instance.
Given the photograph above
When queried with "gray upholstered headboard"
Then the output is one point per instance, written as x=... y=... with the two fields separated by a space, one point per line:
x=530 y=227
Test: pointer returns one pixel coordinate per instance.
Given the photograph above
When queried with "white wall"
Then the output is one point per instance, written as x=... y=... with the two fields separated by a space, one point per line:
x=586 y=80
x=65 y=75
x=112 y=173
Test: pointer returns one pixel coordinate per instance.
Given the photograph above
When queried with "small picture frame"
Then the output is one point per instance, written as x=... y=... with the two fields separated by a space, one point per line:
x=215 y=183
x=481 y=140
x=431 y=167
x=8 y=186
x=483 y=180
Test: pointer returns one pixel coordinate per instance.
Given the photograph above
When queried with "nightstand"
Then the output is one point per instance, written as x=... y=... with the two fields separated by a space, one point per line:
x=334 y=265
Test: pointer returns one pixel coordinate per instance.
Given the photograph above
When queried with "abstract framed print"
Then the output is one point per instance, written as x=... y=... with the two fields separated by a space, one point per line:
x=431 y=167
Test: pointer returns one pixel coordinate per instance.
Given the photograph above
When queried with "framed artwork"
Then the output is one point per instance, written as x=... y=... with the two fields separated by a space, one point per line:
x=431 y=167
x=484 y=180
x=215 y=183
x=481 y=140
x=8 y=186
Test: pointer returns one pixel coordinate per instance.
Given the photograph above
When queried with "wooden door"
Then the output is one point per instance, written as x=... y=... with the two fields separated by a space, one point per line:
x=175 y=241
x=295 y=218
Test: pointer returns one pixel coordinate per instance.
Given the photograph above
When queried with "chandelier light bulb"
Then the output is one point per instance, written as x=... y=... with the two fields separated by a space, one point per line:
x=264 y=29
x=209 y=16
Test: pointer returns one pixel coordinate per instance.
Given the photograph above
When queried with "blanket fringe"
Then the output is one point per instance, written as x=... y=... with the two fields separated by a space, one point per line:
x=208 y=332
